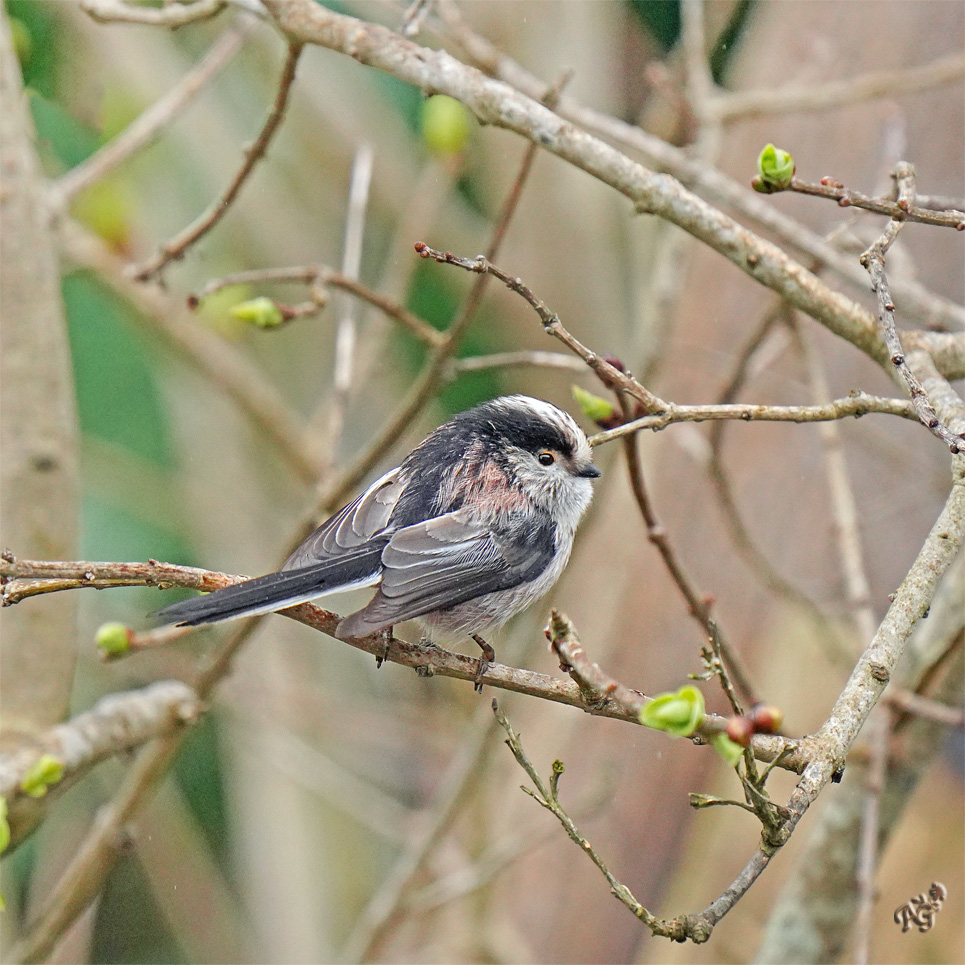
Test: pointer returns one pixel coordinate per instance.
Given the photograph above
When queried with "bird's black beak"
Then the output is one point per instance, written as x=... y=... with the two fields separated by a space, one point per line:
x=589 y=471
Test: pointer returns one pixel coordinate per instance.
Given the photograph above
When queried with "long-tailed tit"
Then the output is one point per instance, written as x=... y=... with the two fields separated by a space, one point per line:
x=476 y=524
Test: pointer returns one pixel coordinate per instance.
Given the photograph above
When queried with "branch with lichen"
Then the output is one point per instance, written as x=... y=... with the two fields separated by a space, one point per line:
x=115 y=724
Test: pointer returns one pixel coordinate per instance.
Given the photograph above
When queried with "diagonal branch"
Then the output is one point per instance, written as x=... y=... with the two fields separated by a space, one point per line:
x=498 y=104
x=180 y=243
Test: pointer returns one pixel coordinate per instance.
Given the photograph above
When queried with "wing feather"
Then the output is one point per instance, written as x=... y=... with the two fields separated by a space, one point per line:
x=448 y=560
x=351 y=527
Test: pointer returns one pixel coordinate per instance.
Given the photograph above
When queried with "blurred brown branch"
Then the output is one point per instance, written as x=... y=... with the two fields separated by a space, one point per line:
x=176 y=246
x=746 y=104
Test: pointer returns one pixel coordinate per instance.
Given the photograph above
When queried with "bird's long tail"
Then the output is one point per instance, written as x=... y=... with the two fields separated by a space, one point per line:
x=276 y=591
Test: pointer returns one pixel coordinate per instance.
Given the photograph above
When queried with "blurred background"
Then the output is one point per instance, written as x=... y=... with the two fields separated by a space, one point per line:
x=298 y=798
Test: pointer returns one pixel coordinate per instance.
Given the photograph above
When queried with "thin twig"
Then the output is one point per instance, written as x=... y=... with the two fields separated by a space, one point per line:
x=698 y=603
x=607 y=373
x=149 y=124
x=847 y=198
x=176 y=246
x=745 y=104
x=548 y=797
x=523 y=358
x=874 y=260
x=325 y=277
x=222 y=364
x=853 y=406
x=345 y=334
x=907 y=702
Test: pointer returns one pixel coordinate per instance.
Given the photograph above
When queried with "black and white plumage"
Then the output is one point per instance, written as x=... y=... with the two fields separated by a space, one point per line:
x=476 y=523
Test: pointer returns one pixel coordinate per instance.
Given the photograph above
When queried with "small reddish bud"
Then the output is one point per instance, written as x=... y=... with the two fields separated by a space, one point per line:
x=766 y=719
x=740 y=730
x=421 y=246
x=830 y=182
x=844 y=203
x=193 y=302
x=615 y=362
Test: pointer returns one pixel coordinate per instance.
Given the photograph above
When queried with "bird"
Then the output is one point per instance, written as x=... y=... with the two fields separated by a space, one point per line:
x=475 y=524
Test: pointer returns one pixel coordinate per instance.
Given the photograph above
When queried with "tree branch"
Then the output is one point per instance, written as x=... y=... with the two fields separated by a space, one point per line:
x=498 y=104
x=180 y=243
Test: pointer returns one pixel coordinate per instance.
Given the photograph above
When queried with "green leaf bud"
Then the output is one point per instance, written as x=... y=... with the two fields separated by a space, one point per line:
x=47 y=770
x=727 y=749
x=4 y=825
x=677 y=713
x=261 y=311
x=113 y=639
x=775 y=168
x=595 y=408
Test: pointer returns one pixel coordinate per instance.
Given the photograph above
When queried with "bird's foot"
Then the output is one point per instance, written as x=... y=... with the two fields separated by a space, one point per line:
x=385 y=638
x=485 y=662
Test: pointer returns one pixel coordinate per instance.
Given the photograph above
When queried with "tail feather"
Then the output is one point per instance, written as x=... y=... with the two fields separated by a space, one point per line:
x=275 y=591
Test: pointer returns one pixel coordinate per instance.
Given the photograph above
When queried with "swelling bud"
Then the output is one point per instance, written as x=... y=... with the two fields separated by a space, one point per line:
x=112 y=639
x=445 y=125
x=775 y=168
x=261 y=311
x=45 y=772
x=677 y=713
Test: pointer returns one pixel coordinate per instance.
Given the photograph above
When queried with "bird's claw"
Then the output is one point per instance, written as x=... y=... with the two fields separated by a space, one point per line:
x=486 y=660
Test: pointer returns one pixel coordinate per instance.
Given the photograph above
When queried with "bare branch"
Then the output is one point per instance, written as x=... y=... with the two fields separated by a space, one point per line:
x=548 y=797
x=116 y=723
x=325 y=277
x=605 y=371
x=524 y=358
x=699 y=175
x=345 y=331
x=149 y=124
x=848 y=198
x=874 y=260
x=746 y=104
x=854 y=406
x=177 y=246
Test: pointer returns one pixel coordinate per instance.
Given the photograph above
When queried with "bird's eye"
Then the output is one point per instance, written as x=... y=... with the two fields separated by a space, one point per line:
x=546 y=458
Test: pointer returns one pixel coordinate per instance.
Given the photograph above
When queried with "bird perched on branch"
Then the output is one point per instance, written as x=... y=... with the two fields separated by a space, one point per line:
x=476 y=524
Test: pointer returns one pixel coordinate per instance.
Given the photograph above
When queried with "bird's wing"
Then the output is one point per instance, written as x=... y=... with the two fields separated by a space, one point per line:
x=352 y=527
x=448 y=560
